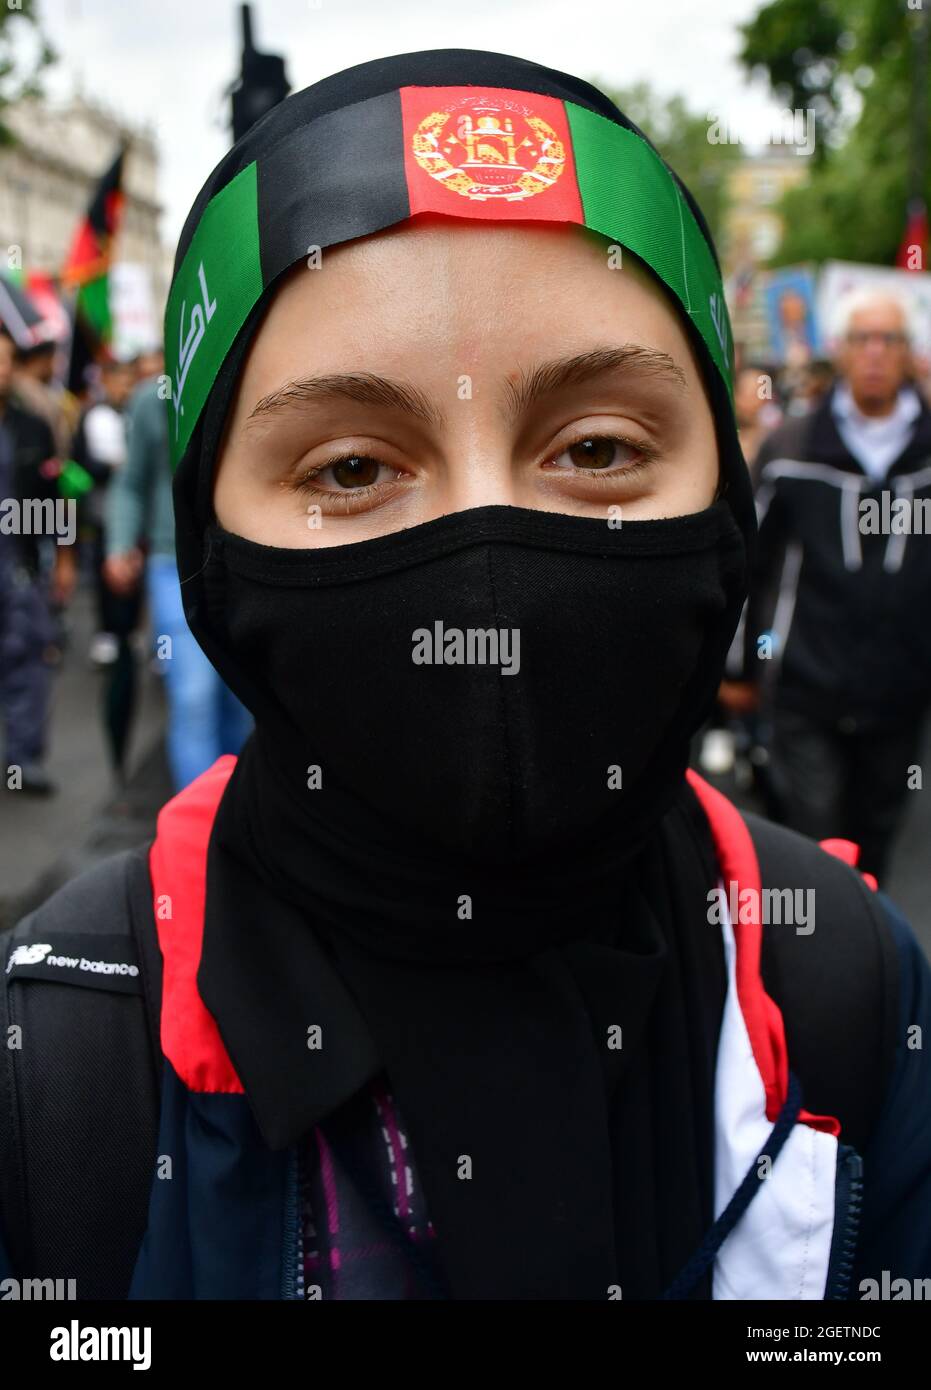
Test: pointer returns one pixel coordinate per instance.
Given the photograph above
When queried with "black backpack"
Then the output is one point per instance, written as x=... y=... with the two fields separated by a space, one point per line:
x=80 y=1081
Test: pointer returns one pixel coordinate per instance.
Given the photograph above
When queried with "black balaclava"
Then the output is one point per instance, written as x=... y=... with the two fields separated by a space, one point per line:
x=502 y=865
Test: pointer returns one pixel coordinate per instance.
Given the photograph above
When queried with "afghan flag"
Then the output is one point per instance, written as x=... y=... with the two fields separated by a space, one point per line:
x=913 y=251
x=86 y=271
x=494 y=154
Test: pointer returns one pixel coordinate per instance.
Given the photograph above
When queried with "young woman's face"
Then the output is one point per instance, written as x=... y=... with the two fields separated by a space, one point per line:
x=444 y=365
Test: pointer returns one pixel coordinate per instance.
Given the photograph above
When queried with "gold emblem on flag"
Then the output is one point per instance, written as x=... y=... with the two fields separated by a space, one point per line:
x=491 y=149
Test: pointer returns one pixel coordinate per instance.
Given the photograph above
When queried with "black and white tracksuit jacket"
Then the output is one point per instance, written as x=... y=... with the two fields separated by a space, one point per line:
x=849 y=609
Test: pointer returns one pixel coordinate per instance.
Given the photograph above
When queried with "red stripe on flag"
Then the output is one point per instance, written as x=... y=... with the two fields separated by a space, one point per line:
x=490 y=153
x=913 y=250
x=84 y=258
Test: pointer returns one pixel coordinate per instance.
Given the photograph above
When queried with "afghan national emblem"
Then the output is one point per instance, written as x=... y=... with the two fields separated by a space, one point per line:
x=487 y=148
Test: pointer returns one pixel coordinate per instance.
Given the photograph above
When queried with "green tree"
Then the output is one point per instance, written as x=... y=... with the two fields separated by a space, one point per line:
x=20 y=73
x=681 y=136
x=852 y=62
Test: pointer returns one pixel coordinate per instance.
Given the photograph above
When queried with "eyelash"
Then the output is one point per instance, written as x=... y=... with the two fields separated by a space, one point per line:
x=648 y=453
x=305 y=483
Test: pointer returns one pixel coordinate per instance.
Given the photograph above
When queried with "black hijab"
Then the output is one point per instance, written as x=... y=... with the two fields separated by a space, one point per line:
x=533 y=967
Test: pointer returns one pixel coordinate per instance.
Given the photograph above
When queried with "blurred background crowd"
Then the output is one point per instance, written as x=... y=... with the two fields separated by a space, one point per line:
x=817 y=195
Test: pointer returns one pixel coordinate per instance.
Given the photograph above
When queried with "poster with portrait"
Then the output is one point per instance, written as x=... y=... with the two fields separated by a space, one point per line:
x=791 y=317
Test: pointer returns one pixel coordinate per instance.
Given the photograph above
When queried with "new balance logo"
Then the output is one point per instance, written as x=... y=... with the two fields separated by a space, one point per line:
x=38 y=954
x=27 y=955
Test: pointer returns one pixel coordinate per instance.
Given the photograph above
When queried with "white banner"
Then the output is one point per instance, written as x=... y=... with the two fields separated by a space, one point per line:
x=913 y=286
x=132 y=309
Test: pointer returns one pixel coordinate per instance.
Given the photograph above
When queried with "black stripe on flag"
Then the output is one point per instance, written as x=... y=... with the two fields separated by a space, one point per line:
x=306 y=197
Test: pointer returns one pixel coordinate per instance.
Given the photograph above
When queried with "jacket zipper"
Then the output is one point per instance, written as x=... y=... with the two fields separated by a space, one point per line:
x=845 y=1243
x=293 y=1261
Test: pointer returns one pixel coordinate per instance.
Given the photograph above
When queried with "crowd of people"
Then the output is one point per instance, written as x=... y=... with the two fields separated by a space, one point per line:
x=107 y=458
x=830 y=677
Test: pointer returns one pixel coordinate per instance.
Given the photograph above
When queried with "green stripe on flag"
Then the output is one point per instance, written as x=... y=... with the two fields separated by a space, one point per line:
x=219 y=281
x=629 y=195
x=93 y=304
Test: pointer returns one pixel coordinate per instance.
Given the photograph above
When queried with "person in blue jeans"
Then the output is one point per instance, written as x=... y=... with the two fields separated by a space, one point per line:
x=205 y=719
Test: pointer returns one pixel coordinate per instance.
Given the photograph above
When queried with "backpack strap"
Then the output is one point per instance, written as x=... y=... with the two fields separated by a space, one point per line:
x=838 y=984
x=189 y=1036
x=823 y=993
x=80 y=1079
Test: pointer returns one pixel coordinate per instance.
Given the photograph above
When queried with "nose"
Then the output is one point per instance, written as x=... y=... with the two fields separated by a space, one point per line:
x=478 y=473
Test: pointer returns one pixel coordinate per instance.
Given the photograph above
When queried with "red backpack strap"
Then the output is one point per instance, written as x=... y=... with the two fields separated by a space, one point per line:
x=849 y=853
x=740 y=871
x=190 y=1038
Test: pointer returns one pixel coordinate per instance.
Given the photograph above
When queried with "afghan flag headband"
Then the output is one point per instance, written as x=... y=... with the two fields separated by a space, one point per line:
x=494 y=153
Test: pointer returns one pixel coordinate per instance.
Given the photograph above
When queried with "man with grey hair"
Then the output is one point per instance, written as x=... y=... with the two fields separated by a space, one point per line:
x=842 y=588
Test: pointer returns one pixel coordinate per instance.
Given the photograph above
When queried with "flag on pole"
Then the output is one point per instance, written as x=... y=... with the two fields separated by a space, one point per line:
x=86 y=272
x=913 y=252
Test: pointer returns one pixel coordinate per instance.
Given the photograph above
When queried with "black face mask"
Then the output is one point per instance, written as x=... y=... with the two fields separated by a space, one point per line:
x=500 y=684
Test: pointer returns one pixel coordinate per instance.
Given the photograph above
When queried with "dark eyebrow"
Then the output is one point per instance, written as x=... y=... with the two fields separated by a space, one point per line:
x=363 y=387
x=631 y=359
x=366 y=388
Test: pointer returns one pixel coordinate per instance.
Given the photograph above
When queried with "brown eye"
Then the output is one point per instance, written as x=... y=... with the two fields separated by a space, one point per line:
x=593 y=453
x=600 y=453
x=356 y=472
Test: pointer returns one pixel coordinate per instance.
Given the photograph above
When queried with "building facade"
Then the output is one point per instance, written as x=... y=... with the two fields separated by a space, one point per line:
x=47 y=178
x=752 y=232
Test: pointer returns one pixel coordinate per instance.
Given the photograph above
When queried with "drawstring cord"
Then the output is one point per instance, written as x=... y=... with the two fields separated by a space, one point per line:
x=705 y=1255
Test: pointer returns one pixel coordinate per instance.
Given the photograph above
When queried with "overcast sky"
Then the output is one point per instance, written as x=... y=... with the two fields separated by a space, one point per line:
x=169 y=61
